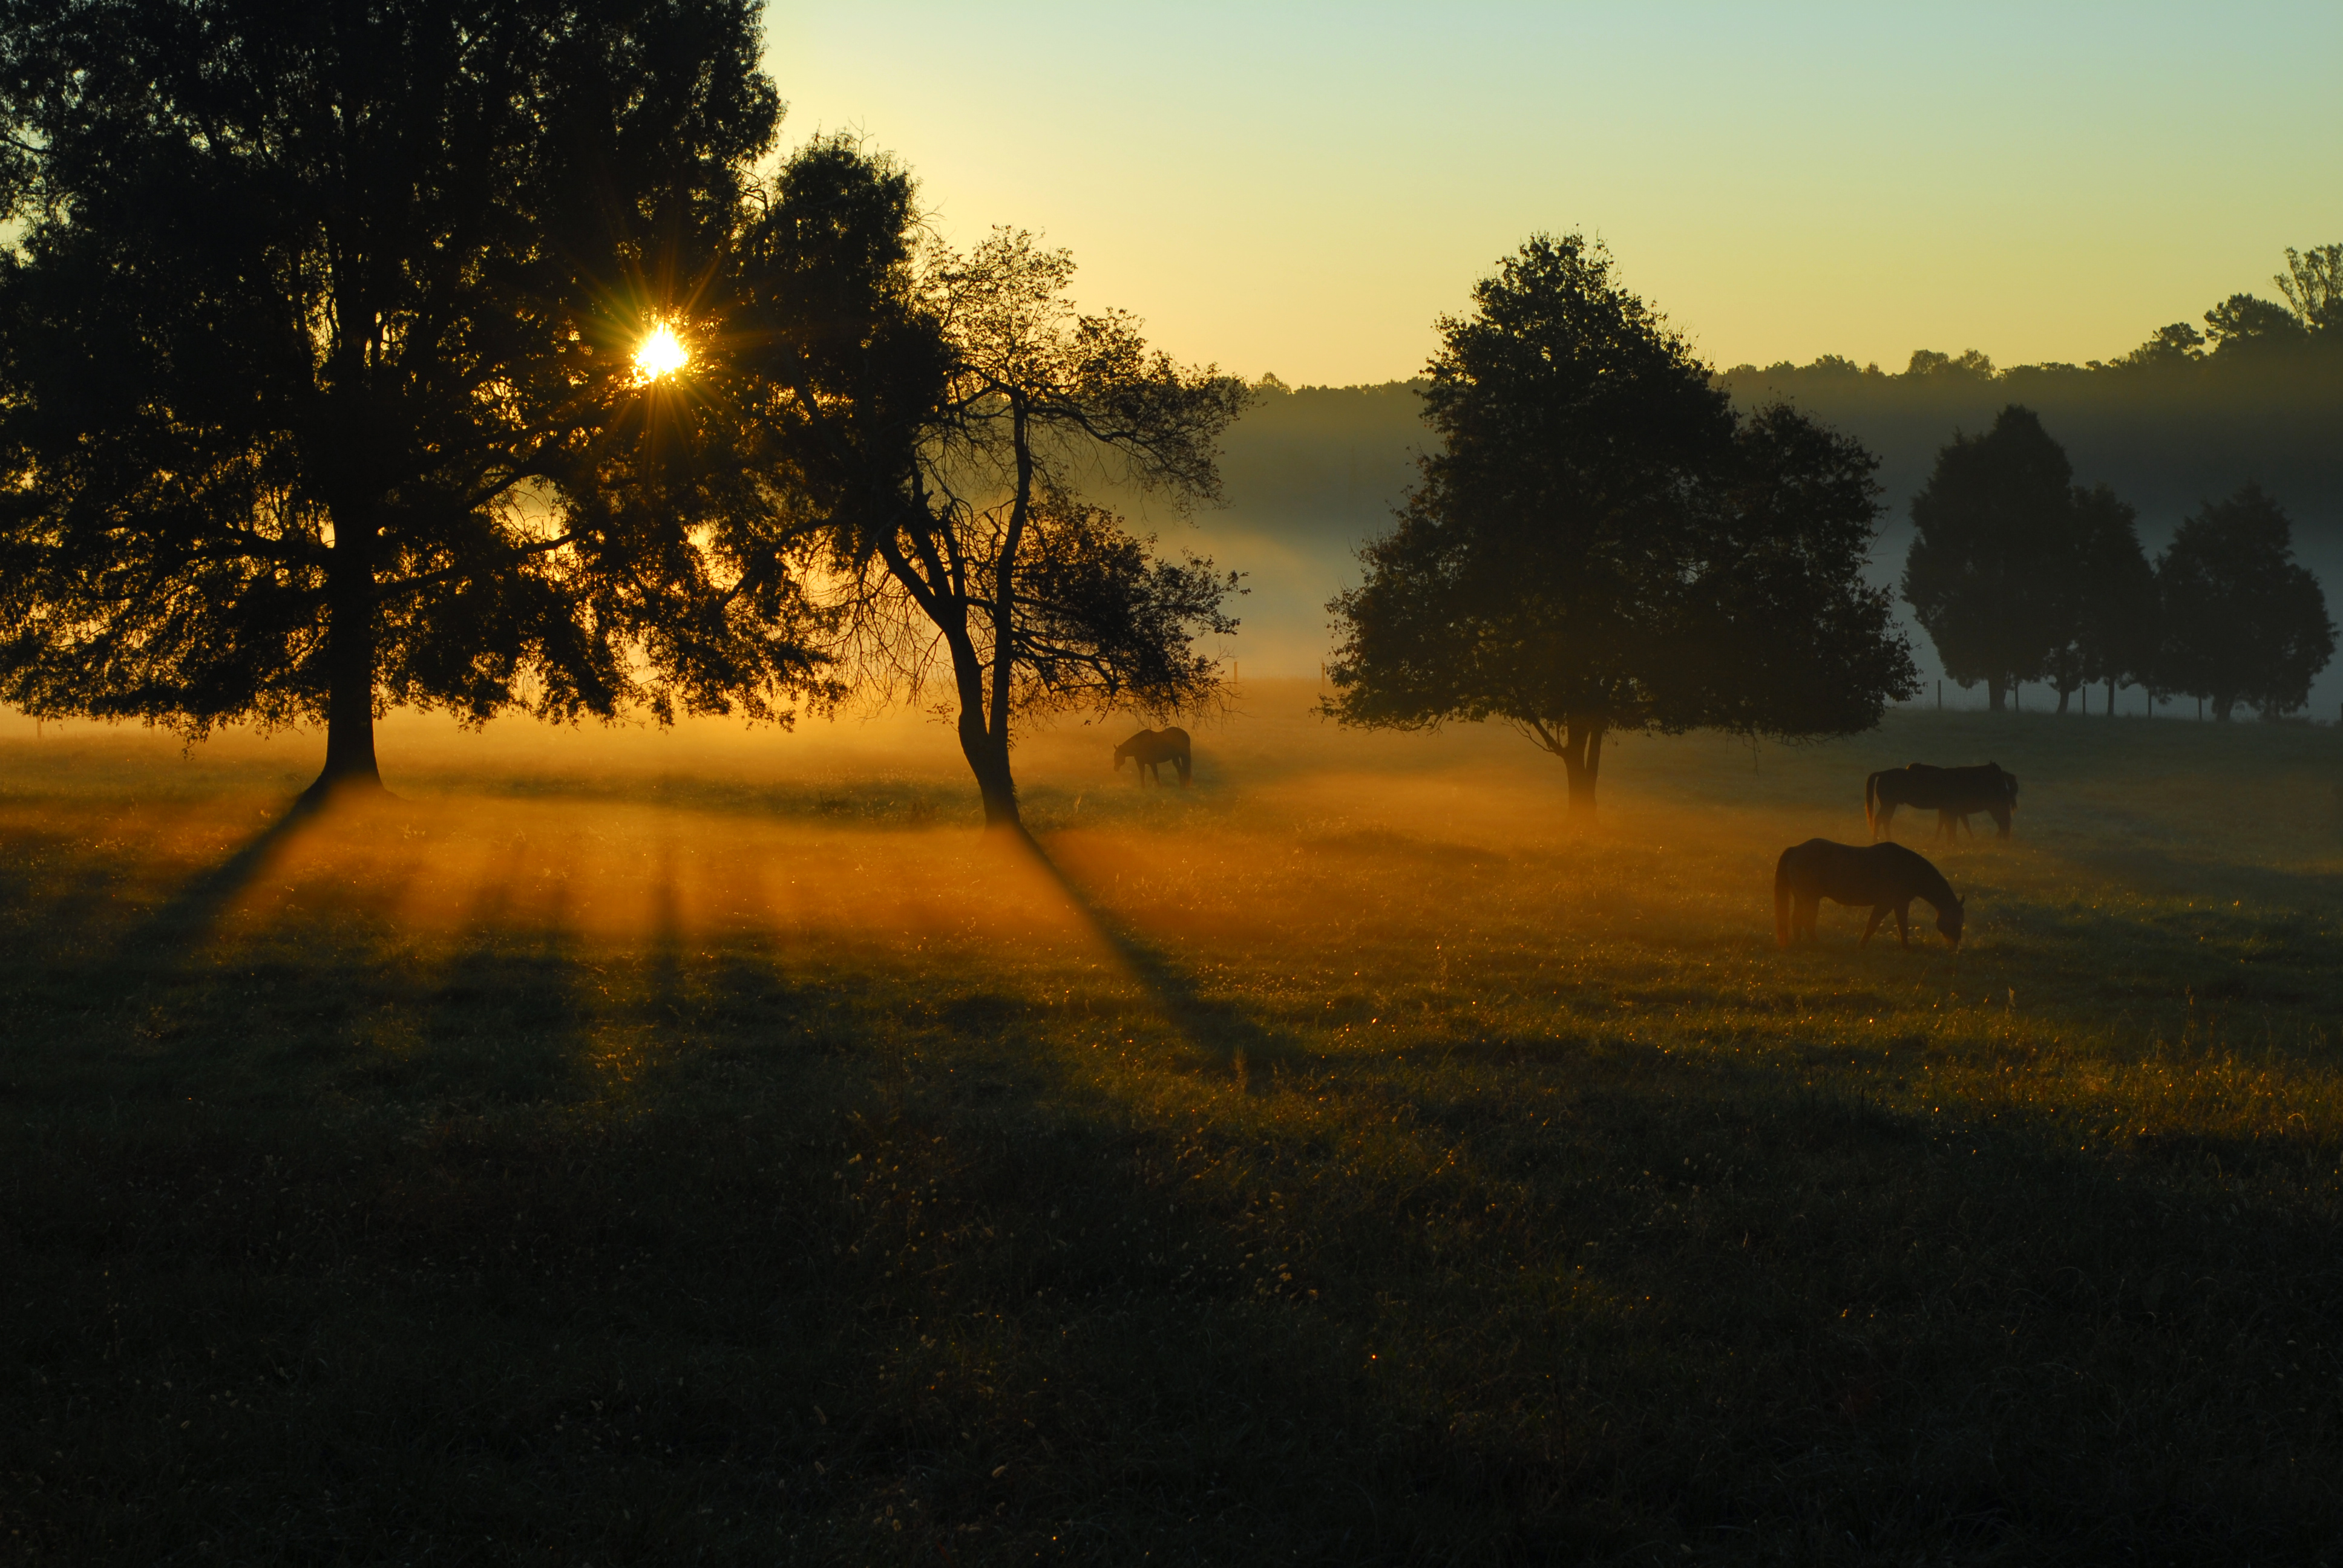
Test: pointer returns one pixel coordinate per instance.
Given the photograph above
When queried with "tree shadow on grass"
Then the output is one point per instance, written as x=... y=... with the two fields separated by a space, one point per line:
x=190 y=914
x=503 y=1025
x=1707 y=1306
x=2160 y=870
x=193 y=912
x=1706 y=1303
x=1223 y=1032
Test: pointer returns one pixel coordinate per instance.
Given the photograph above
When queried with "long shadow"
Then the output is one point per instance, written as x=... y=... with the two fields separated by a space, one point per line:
x=2161 y=871
x=505 y=1023
x=664 y=956
x=188 y=915
x=1221 y=1030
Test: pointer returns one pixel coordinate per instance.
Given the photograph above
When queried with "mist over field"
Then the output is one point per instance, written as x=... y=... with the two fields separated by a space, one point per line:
x=707 y=1142
x=722 y=841
x=1315 y=472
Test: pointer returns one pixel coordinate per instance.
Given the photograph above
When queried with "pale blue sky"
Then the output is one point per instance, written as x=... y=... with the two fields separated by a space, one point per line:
x=1302 y=188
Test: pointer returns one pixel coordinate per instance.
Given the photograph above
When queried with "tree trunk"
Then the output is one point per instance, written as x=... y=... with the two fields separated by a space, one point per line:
x=986 y=750
x=2222 y=706
x=2063 y=695
x=2111 y=698
x=988 y=758
x=1997 y=693
x=1582 y=761
x=350 y=658
x=991 y=758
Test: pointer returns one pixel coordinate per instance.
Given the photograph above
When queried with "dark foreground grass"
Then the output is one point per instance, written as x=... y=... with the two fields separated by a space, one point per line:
x=1331 y=1165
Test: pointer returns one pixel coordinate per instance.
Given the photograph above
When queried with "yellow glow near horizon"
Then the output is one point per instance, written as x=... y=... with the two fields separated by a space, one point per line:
x=661 y=353
x=1783 y=180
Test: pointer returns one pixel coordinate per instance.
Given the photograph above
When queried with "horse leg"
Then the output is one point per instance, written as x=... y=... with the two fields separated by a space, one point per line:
x=2001 y=821
x=1903 y=924
x=1878 y=913
x=1802 y=921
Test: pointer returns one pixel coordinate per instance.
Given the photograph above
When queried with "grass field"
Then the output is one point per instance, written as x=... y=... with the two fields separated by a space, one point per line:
x=711 y=1149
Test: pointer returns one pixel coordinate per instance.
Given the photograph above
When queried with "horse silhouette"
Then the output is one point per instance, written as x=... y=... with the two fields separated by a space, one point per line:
x=1887 y=877
x=1151 y=748
x=1951 y=792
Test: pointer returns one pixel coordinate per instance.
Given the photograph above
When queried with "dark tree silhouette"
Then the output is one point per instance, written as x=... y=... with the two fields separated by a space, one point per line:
x=2248 y=324
x=2242 y=620
x=2312 y=284
x=2166 y=348
x=2115 y=624
x=317 y=380
x=940 y=428
x=2097 y=596
x=1600 y=545
x=1990 y=573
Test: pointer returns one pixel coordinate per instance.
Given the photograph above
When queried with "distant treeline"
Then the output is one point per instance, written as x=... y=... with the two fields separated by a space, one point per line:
x=2018 y=574
x=2255 y=394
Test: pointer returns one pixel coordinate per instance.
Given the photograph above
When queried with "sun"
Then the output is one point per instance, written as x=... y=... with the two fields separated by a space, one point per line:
x=659 y=355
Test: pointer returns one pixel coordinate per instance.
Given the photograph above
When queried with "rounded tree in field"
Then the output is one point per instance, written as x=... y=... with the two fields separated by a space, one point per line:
x=321 y=387
x=2115 y=629
x=2243 y=621
x=1992 y=573
x=1600 y=544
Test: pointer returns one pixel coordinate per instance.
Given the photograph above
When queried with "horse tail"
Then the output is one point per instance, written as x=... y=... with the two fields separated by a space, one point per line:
x=1871 y=804
x=1782 y=900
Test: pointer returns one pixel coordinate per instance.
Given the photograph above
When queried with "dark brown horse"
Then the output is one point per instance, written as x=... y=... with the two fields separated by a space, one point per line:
x=1151 y=748
x=1887 y=877
x=1951 y=792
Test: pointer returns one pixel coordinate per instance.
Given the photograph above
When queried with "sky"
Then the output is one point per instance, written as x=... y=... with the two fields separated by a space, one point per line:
x=1304 y=189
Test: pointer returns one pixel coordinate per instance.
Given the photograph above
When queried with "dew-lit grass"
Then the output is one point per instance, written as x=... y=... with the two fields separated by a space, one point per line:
x=681 y=1148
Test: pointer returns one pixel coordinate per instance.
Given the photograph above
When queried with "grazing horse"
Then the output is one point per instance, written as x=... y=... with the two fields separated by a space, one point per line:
x=1151 y=748
x=1951 y=792
x=1887 y=877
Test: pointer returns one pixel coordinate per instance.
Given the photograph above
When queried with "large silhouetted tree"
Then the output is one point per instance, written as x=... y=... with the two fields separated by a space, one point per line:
x=2115 y=624
x=316 y=387
x=1991 y=572
x=940 y=429
x=2097 y=597
x=1599 y=545
x=2242 y=620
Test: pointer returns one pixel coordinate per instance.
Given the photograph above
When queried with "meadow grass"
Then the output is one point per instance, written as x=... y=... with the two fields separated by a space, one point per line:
x=609 y=1155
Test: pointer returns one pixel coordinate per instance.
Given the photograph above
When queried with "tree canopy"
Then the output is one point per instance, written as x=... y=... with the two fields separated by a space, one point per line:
x=2116 y=633
x=944 y=432
x=2242 y=620
x=316 y=378
x=1994 y=572
x=1600 y=544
